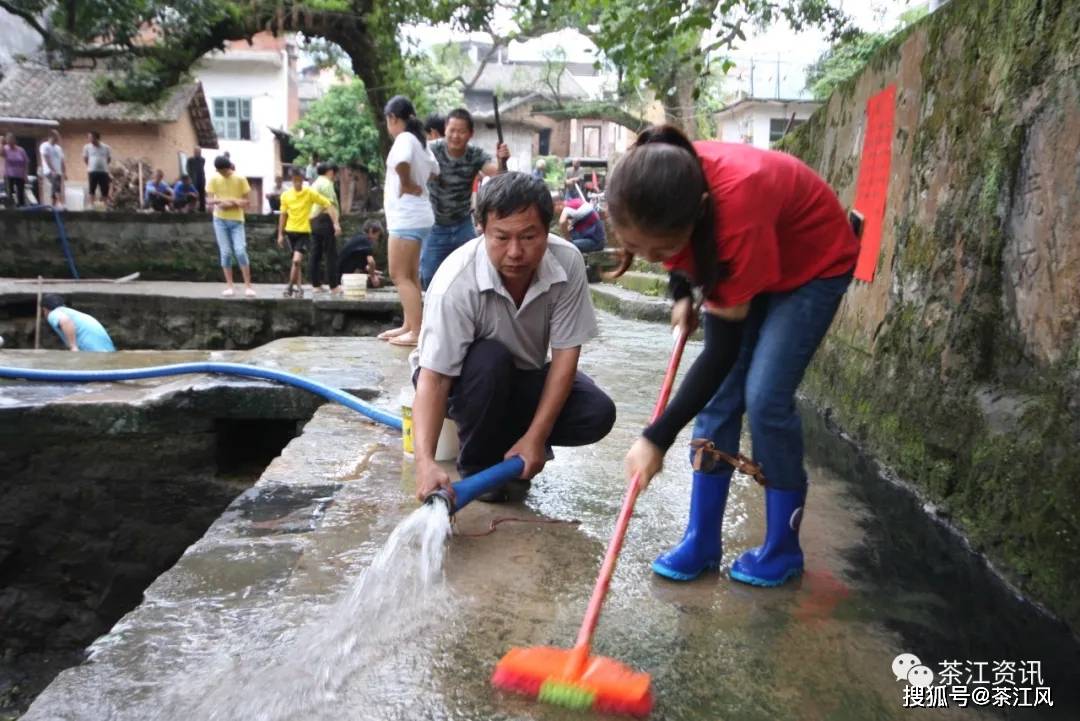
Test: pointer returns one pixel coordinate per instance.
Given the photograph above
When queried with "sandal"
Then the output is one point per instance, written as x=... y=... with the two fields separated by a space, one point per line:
x=250 y=293
x=228 y=292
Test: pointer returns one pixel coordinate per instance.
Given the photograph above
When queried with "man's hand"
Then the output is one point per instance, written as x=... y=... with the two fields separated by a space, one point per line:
x=410 y=188
x=281 y=240
x=643 y=460
x=683 y=316
x=337 y=229
x=502 y=151
x=532 y=452
x=430 y=478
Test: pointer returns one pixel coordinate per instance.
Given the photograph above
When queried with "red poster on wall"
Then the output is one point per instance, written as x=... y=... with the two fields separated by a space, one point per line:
x=872 y=187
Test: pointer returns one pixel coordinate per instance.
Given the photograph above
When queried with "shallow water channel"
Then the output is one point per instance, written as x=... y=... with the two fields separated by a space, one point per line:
x=882 y=579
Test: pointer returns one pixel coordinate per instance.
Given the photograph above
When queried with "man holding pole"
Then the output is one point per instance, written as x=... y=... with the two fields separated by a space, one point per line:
x=451 y=190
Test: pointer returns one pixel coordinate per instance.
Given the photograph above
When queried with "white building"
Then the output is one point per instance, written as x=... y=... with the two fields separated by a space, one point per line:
x=252 y=89
x=762 y=121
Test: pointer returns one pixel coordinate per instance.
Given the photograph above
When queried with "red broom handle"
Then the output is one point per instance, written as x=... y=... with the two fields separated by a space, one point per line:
x=607 y=570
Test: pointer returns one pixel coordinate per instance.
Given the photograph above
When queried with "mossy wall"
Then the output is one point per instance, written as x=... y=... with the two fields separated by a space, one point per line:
x=959 y=365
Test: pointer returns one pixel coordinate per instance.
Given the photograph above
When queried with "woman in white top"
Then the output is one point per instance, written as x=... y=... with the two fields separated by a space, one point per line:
x=408 y=211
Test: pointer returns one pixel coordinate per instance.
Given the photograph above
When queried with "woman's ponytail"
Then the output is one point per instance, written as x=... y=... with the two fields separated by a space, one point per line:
x=658 y=187
x=402 y=108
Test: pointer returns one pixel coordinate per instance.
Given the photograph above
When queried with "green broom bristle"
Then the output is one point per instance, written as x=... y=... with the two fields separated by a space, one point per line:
x=566 y=694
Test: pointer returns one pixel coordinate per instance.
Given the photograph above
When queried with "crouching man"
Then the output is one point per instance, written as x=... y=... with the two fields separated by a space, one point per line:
x=492 y=311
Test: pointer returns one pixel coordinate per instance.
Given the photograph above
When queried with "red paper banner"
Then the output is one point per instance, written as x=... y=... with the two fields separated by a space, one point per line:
x=872 y=187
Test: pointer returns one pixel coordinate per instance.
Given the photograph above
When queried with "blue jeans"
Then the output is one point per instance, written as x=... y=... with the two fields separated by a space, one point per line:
x=589 y=240
x=441 y=242
x=231 y=241
x=781 y=334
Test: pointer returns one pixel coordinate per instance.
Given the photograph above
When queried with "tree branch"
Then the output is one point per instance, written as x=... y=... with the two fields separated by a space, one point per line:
x=26 y=17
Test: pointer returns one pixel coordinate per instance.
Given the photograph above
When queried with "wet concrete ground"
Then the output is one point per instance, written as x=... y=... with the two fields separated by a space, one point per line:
x=819 y=648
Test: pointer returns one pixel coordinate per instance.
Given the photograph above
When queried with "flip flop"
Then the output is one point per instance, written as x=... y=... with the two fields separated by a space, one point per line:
x=402 y=343
x=388 y=334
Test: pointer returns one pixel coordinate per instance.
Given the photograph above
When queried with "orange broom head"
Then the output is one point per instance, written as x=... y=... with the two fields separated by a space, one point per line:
x=603 y=684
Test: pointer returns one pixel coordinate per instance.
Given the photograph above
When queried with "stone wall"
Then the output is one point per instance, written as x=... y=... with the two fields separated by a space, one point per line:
x=102 y=497
x=171 y=246
x=172 y=321
x=959 y=365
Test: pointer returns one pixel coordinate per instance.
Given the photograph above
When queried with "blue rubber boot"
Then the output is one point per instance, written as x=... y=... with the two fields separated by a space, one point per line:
x=700 y=548
x=780 y=558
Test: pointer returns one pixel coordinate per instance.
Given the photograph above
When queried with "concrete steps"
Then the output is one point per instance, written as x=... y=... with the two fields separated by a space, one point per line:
x=651 y=284
x=629 y=303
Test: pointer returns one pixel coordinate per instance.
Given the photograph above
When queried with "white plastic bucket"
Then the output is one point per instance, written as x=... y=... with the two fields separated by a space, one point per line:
x=447 y=447
x=354 y=285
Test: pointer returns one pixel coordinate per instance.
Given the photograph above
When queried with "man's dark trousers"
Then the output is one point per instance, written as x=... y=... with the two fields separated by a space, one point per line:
x=493 y=404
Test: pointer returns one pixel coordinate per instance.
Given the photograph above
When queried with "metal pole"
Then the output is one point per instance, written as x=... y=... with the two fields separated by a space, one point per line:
x=37 y=318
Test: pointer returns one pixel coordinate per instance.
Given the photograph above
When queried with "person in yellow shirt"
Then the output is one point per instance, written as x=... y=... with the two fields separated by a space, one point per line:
x=295 y=224
x=227 y=193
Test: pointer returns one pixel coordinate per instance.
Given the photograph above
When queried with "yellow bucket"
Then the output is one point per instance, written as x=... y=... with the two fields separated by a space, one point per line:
x=406 y=429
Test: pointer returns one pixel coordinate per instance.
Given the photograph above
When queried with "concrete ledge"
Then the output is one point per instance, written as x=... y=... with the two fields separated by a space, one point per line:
x=170 y=315
x=651 y=284
x=630 y=304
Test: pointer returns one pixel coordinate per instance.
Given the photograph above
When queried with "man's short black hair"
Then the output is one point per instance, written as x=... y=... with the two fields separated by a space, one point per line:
x=52 y=301
x=324 y=168
x=185 y=178
x=296 y=172
x=461 y=114
x=222 y=162
x=435 y=122
x=510 y=193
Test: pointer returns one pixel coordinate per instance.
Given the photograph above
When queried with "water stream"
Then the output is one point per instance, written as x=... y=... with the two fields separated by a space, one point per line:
x=300 y=674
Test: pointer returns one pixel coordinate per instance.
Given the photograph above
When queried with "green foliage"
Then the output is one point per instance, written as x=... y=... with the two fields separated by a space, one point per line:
x=847 y=58
x=675 y=34
x=842 y=61
x=339 y=127
x=435 y=78
x=670 y=52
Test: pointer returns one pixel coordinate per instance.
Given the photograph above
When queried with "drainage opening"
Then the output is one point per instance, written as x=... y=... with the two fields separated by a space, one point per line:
x=98 y=502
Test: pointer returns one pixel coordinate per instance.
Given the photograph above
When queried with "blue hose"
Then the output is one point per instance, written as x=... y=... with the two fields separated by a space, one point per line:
x=465 y=490
x=236 y=369
x=64 y=245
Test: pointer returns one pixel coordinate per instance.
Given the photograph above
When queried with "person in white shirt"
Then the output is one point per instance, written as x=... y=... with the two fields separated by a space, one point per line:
x=408 y=211
x=53 y=167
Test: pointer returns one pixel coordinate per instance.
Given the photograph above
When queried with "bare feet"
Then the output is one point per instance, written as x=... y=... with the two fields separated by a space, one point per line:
x=408 y=338
x=388 y=334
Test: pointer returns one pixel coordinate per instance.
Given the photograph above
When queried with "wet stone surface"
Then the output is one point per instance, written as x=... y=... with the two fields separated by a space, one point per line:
x=818 y=648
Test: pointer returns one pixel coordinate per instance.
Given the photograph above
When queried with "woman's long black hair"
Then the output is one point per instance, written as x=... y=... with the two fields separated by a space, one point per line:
x=402 y=108
x=657 y=187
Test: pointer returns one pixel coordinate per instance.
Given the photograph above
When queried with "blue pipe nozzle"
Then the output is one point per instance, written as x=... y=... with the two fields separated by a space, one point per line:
x=468 y=489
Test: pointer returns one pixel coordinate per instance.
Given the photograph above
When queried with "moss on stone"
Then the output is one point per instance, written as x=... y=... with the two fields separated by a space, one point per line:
x=914 y=401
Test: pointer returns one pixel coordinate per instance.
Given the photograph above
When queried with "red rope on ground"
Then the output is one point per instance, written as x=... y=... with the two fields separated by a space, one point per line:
x=508 y=519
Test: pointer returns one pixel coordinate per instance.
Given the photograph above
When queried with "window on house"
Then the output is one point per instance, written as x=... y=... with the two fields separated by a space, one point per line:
x=232 y=118
x=777 y=126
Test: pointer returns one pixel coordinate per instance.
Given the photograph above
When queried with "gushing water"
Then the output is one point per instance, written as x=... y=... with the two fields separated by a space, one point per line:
x=399 y=596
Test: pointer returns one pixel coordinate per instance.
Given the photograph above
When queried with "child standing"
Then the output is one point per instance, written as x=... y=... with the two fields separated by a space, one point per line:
x=295 y=224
